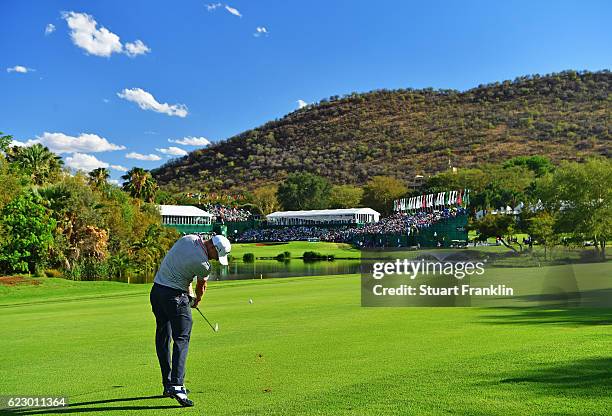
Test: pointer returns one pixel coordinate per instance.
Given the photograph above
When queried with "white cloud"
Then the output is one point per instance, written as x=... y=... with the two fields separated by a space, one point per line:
x=50 y=28
x=212 y=6
x=146 y=101
x=139 y=156
x=86 y=35
x=85 y=142
x=20 y=69
x=17 y=143
x=136 y=48
x=96 y=41
x=114 y=181
x=172 y=151
x=301 y=103
x=261 y=31
x=85 y=162
x=233 y=11
x=106 y=100
x=119 y=168
x=191 y=141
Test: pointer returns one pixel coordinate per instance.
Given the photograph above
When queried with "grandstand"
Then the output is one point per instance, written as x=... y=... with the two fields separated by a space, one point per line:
x=432 y=220
x=186 y=218
x=324 y=217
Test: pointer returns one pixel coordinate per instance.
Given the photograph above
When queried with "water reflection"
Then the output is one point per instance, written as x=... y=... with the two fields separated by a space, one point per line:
x=265 y=269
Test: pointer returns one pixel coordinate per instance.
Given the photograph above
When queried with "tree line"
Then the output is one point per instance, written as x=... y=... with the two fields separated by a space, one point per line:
x=80 y=226
x=570 y=202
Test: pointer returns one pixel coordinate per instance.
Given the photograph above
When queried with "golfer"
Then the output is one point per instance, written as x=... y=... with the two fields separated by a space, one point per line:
x=171 y=301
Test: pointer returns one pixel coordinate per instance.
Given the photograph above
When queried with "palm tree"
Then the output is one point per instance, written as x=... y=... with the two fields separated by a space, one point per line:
x=140 y=184
x=121 y=265
x=148 y=250
x=98 y=177
x=37 y=161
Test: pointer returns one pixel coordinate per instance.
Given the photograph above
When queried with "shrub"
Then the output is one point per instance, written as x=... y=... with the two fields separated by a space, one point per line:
x=248 y=257
x=89 y=269
x=286 y=256
x=53 y=273
x=315 y=256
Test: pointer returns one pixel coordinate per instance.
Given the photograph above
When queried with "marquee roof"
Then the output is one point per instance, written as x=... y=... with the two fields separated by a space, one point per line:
x=322 y=212
x=183 y=211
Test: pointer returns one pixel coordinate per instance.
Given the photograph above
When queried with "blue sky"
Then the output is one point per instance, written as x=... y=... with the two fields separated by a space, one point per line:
x=212 y=74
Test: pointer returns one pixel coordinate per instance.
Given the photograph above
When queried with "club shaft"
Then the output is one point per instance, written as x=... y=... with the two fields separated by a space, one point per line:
x=207 y=321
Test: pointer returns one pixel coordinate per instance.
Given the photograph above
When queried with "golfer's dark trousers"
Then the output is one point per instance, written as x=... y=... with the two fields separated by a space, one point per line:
x=173 y=316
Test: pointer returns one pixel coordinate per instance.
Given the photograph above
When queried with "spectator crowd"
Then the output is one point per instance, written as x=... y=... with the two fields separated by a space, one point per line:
x=399 y=223
x=224 y=213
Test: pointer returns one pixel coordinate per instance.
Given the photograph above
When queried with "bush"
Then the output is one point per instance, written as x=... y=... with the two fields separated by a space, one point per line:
x=94 y=269
x=53 y=273
x=74 y=272
x=248 y=257
x=89 y=269
x=28 y=235
x=316 y=256
x=286 y=256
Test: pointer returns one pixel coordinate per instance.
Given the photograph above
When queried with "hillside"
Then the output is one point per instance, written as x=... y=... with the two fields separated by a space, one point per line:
x=406 y=132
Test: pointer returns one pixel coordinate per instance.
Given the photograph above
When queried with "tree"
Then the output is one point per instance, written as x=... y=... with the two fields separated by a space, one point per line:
x=140 y=184
x=265 y=198
x=497 y=226
x=77 y=210
x=345 y=196
x=473 y=179
x=303 y=191
x=542 y=228
x=36 y=161
x=30 y=234
x=380 y=192
x=580 y=195
x=507 y=185
x=150 y=249
x=10 y=183
x=539 y=165
x=98 y=177
x=5 y=142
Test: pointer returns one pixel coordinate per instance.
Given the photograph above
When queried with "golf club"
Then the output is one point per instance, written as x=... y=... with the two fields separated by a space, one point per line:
x=214 y=328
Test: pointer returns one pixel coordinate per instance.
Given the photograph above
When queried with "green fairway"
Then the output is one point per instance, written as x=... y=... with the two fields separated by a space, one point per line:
x=305 y=346
x=296 y=248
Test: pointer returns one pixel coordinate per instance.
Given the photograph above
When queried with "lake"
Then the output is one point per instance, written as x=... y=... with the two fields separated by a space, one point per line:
x=265 y=269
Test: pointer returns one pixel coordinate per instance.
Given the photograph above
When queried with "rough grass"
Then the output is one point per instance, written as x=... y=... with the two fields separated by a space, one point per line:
x=304 y=347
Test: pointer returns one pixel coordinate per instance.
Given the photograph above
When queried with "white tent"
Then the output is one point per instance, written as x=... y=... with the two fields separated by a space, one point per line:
x=324 y=216
x=184 y=214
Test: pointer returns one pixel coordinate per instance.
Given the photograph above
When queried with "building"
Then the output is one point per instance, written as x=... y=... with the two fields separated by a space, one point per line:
x=324 y=217
x=186 y=218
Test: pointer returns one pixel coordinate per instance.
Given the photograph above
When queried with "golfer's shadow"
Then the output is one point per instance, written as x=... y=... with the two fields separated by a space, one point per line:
x=81 y=407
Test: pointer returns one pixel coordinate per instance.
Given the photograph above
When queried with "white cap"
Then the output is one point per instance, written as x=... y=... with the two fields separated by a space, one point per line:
x=223 y=246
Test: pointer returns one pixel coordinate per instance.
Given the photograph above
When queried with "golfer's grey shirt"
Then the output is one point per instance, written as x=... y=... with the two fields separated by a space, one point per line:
x=187 y=258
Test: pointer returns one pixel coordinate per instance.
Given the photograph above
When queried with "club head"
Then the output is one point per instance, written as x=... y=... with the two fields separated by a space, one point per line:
x=216 y=327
